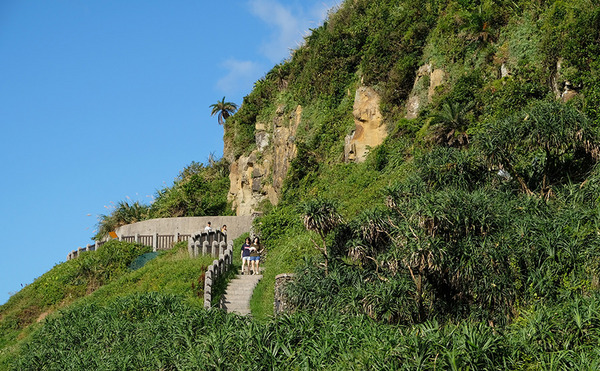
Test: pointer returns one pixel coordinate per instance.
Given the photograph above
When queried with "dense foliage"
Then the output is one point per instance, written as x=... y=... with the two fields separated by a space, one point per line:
x=95 y=278
x=66 y=283
x=199 y=190
x=158 y=331
x=467 y=240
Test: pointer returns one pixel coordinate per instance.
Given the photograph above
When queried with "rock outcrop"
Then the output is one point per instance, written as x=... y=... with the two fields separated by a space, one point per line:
x=259 y=176
x=427 y=81
x=370 y=130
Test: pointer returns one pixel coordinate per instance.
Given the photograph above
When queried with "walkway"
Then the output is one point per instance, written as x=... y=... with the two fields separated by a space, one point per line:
x=238 y=293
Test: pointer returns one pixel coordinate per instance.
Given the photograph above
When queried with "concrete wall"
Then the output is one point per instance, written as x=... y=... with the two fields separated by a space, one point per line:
x=236 y=225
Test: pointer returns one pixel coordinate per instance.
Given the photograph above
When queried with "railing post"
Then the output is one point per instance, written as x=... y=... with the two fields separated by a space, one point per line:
x=137 y=238
x=205 y=248
x=208 y=281
x=191 y=247
x=215 y=248
x=155 y=241
x=222 y=247
x=96 y=246
x=217 y=271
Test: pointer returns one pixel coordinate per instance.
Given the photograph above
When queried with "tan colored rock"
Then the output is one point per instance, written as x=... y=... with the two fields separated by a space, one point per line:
x=568 y=93
x=284 y=148
x=246 y=180
x=435 y=79
x=504 y=71
x=370 y=131
x=423 y=89
x=413 y=106
x=424 y=70
x=260 y=126
x=260 y=175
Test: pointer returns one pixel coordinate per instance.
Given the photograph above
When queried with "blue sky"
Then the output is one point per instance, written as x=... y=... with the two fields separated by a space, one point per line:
x=107 y=101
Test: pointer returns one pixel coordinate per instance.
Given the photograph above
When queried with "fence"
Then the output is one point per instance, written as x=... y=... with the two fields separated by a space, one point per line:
x=202 y=243
x=216 y=269
x=165 y=242
x=205 y=243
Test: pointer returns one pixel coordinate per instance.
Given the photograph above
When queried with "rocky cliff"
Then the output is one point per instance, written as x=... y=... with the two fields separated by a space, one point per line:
x=259 y=176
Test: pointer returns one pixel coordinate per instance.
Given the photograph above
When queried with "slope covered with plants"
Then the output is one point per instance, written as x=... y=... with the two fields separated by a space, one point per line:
x=198 y=190
x=469 y=239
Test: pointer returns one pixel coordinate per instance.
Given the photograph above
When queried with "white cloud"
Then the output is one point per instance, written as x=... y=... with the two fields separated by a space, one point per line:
x=290 y=24
x=240 y=75
x=320 y=11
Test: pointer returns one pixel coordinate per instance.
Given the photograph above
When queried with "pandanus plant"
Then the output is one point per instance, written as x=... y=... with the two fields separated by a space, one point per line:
x=321 y=216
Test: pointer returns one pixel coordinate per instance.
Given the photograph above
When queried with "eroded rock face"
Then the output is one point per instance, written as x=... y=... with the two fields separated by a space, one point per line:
x=427 y=81
x=568 y=93
x=436 y=79
x=260 y=175
x=284 y=145
x=370 y=131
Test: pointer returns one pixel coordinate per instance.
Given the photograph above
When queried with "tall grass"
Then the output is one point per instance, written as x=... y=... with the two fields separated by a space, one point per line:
x=159 y=331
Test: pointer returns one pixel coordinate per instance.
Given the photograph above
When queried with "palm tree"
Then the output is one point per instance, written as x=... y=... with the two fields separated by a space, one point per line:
x=122 y=214
x=321 y=216
x=223 y=109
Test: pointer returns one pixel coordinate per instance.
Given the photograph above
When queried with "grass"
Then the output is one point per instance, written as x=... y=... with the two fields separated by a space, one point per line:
x=281 y=258
x=171 y=272
x=162 y=331
x=152 y=317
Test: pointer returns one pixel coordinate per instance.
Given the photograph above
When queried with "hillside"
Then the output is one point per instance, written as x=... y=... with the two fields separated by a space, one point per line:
x=428 y=170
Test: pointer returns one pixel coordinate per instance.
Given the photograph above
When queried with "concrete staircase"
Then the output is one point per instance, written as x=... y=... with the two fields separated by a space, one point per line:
x=238 y=293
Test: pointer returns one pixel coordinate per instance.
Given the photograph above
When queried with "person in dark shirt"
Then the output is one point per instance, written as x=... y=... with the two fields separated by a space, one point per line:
x=246 y=255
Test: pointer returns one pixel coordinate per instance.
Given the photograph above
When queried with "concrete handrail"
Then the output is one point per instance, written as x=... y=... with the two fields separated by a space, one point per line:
x=214 y=271
x=165 y=242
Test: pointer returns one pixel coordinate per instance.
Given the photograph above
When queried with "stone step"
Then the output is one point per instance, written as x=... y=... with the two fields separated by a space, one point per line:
x=238 y=293
x=247 y=276
x=248 y=287
x=232 y=293
x=246 y=279
x=236 y=304
x=260 y=270
x=229 y=305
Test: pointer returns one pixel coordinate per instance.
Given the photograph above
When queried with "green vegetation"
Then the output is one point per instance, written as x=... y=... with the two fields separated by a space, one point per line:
x=97 y=278
x=199 y=190
x=160 y=331
x=467 y=240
